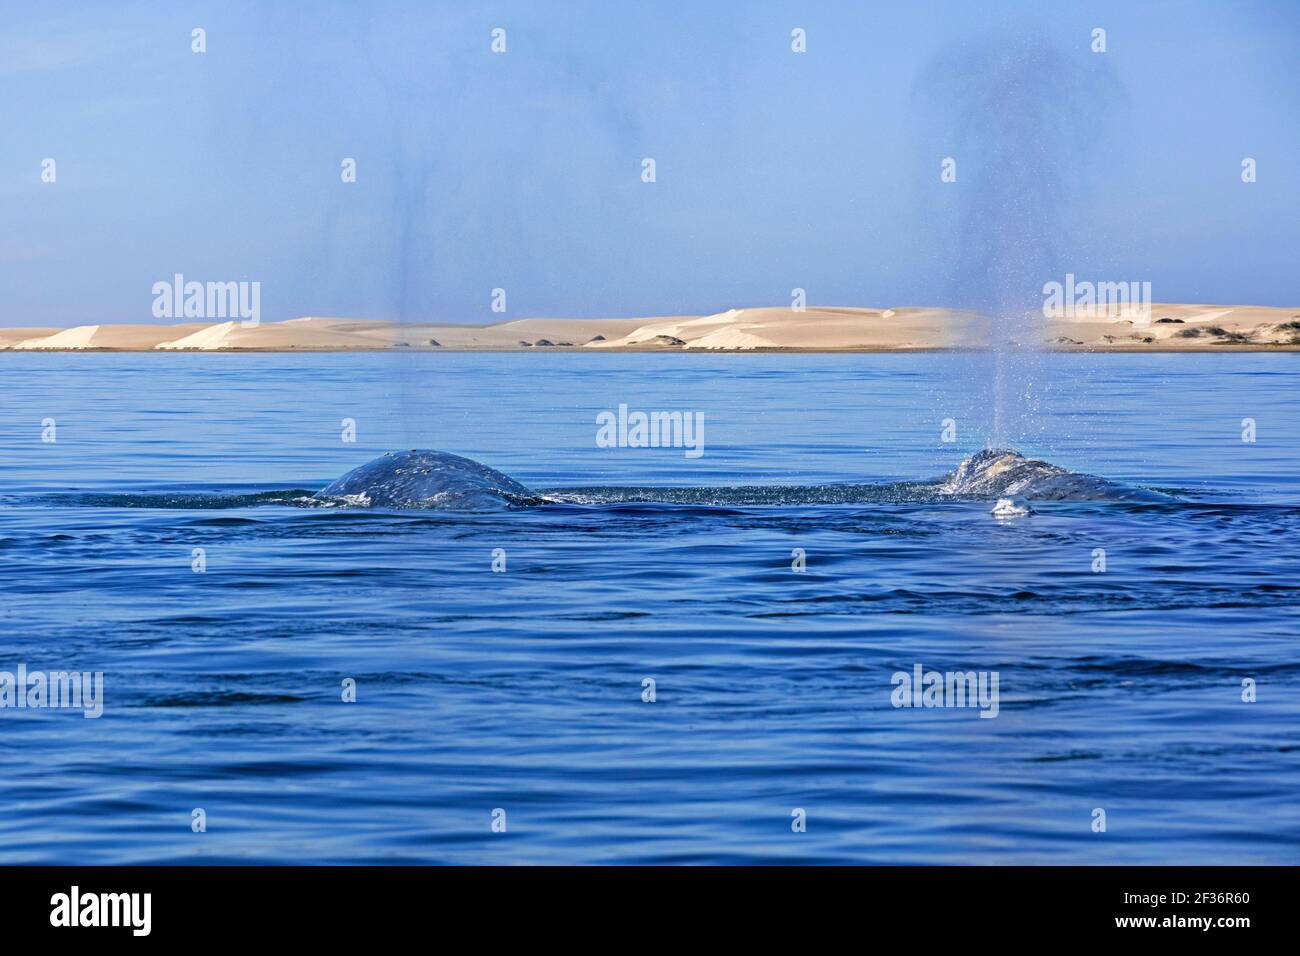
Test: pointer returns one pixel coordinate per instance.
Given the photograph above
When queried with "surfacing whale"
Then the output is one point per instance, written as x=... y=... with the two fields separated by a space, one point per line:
x=1002 y=473
x=437 y=480
x=426 y=479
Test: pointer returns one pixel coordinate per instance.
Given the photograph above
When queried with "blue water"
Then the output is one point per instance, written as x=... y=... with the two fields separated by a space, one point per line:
x=522 y=690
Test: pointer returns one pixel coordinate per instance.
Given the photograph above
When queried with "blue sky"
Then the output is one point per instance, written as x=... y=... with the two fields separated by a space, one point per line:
x=522 y=170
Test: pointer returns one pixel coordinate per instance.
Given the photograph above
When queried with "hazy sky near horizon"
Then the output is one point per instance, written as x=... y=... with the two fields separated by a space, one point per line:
x=523 y=170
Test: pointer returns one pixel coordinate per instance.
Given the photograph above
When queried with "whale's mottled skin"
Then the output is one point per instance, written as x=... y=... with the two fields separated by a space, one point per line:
x=426 y=479
x=1002 y=473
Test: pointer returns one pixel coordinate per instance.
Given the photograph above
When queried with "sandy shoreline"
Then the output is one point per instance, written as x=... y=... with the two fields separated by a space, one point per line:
x=1169 y=328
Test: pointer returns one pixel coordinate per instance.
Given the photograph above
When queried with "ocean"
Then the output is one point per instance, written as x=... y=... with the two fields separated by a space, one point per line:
x=607 y=678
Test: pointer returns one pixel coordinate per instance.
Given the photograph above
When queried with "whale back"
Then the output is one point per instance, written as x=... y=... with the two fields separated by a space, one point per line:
x=1002 y=473
x=426 y=479
x=434 y=479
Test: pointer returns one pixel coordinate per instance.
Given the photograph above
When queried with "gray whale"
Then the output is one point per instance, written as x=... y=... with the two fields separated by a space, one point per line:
x=426 y=479
x=1002 y=473
x=433 y=479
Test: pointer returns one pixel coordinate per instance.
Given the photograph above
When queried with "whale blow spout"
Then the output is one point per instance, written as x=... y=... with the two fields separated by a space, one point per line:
x=426 y=479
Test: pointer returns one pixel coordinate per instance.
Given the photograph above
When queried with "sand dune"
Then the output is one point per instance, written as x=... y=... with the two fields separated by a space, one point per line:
x=1182 y=327
x=11 y=337
x=307 y=334
x=1167 y=328
x=812 y=328
x=121 y=337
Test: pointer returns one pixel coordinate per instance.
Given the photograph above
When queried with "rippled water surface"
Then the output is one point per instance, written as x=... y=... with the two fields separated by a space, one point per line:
x=522 y=690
